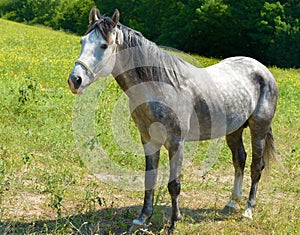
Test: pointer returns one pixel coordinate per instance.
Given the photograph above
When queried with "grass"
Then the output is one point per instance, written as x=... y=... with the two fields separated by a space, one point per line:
x=46 y=185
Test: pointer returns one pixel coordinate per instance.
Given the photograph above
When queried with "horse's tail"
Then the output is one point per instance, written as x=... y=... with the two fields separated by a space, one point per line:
x=269 y=151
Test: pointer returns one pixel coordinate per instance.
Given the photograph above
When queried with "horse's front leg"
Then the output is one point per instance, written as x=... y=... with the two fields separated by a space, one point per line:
x=152 y=160
x=176 y=159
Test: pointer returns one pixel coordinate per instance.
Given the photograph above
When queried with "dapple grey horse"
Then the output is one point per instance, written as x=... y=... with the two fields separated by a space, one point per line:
x=172 y=102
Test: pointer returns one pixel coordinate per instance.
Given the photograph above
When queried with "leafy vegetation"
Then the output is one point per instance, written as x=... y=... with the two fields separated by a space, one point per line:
x=46 y=188
x=266 y=30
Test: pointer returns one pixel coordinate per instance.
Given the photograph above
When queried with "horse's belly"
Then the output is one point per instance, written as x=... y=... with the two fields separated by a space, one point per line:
x=219 y=114
x=215 y=125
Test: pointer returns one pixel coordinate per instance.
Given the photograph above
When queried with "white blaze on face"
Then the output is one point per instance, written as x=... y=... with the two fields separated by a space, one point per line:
x=97 y=54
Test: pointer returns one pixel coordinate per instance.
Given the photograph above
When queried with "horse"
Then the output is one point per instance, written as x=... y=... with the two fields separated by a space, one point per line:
x=172 y=102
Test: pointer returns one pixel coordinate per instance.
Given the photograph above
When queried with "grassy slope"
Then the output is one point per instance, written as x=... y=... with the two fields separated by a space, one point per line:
x=44 y=187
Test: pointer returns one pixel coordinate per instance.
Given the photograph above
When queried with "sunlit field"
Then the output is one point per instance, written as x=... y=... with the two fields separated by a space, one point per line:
x=47 y=188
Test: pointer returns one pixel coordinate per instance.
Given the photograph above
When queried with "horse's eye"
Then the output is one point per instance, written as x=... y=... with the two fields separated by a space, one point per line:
x=104 y=46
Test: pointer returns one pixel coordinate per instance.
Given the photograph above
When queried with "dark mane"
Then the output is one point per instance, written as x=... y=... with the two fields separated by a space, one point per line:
x=159 y=65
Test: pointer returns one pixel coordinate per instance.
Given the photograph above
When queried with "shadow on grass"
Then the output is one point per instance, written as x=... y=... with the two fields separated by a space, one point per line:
x=109 y=221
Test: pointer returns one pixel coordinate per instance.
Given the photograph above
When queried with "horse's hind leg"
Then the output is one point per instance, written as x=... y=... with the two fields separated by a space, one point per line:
x=259 y=132
x=235 y=143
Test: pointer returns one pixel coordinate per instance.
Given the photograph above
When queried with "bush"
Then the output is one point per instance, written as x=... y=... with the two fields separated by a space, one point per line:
x=73 y=16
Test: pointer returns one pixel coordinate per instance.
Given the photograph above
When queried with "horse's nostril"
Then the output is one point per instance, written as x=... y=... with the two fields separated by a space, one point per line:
x=78 y=82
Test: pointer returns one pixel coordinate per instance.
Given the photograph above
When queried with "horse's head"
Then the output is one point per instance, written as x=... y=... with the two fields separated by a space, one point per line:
x=98 y=52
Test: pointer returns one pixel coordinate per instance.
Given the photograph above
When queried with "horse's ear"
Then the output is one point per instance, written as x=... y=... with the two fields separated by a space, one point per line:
x=94 y=15
x=116 y=17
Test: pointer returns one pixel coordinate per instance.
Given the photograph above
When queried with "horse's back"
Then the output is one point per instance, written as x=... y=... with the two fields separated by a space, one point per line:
x=243 y=72
x=243 y=65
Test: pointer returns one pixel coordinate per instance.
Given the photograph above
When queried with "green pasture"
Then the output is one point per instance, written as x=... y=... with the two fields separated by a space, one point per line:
x=46 y=186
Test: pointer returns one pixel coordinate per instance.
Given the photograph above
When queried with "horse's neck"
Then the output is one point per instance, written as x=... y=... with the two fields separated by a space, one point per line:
x=131 y=76
x=127 y=80
x=130 y=61
x=142 y=61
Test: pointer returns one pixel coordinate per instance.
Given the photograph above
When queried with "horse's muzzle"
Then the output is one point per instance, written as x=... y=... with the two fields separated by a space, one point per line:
x=72 y=87
x=74 y=83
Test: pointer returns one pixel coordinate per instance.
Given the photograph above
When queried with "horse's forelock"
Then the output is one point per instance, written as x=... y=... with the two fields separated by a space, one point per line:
x=105 y=25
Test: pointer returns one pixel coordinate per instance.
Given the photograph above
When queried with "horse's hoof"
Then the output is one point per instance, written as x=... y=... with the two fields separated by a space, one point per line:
x=133 y=228
x=140 y=221
x=137 y=222
x=170 y=231
x=248 y=214
x=229 y=208
x=177 y=218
